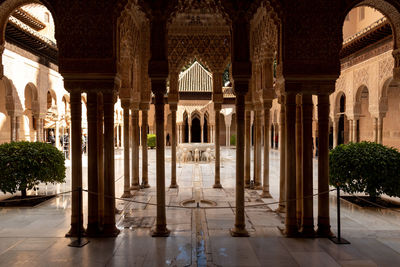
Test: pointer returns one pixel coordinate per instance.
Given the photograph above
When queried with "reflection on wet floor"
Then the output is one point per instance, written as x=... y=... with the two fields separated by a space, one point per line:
x=200 y=237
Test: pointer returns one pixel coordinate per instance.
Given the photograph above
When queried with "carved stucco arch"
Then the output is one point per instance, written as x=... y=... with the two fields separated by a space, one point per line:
x=336 y=108
x=357 y=99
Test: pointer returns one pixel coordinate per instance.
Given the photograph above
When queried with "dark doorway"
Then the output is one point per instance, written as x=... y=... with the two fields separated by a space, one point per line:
x=205 y=130
x=186 y=131
x=272 y=135
x=341 y=120
x=196 y=130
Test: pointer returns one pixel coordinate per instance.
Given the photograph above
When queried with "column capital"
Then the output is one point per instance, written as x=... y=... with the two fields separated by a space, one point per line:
x=125 y=103
x=144 y=106
x=173 y=106
x=134 y=106
x=84 y=82
x=217 y=106
x=267 y=104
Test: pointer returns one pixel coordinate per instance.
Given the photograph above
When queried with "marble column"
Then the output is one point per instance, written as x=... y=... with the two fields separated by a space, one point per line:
x=375 y=126
x=190 y=131
x=159 y=87
x=247 y=149
x=335 y=132
x=173 y=108
x=13 y=120
x=240 y=223
x=307 y=222
x=135 y=147
x=100 y=155
x=267 y=107
x=202 y=131
x=291 y=228
x=299 y=157
x=282 y=145
x=125 y=103
x=323 y=166
x=257 y=150
x=350 y=130
x=18 y=126
x=76 y=161
x=217 y=183
x=93 y=226
x=117 y=136
x=355 y=134
x=109 y=228
x=380 y=129
x=57 y=132
x=145 y=174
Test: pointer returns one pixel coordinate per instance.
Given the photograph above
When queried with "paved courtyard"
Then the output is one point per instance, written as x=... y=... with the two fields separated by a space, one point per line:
x=199 y=237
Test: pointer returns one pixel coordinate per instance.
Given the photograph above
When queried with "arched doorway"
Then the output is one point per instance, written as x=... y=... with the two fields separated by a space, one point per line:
x=364 y=125
x=343 y=124
x=196 y=130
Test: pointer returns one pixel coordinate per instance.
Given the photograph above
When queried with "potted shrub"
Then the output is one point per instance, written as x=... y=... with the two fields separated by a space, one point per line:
x=24 y=165
x=365 y=167
x=151 y=140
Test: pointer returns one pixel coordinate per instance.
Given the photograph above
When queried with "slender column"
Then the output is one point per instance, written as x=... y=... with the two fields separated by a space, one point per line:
x=135 y=148
x=93 y=179
x=323 y=166
x=100 y=154
x=109 y=228
x=173 y=108
x=375 y=126
x=355 y=130
x=57 y=132
x=117 y=137
x=291 y=221
x=161 y=222
x=76 y=162
x=145 y=173
x=125 y=106
x=202 y=132
x=307 y=223
x=217 y=183
x=282 y=142
x=380 y=129
x=299 y=156
x=247 y=149
x=17 y=128
x=240 y=224
x=257 y=150
x=267 y=107
x=335 y=132
x=350 y=130
x=13 y=127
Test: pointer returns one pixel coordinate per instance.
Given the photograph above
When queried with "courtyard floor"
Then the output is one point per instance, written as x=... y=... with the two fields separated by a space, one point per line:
x=199 y=237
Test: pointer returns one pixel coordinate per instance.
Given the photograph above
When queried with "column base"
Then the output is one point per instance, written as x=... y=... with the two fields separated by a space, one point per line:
x=258 y=187
x=134 y=187
x=281 y=209
x=109 y=230
x=126 y=195
x=247 y=186
x=174 y=186
x=73 y=231
x=160 y=231
x=217 y=185
x=145 y=185
x=291 y=231
x=266 y=194
x=324 y=231
x=308 y=232
x=93 y=230
x=239 y=232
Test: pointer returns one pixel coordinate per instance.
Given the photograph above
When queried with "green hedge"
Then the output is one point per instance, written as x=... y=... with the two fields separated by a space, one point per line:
x=151 y=141
x=365 y=168
x=24 y=165
x=233 y=140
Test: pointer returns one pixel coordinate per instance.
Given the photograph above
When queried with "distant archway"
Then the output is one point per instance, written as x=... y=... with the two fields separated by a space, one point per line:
x=196 y=130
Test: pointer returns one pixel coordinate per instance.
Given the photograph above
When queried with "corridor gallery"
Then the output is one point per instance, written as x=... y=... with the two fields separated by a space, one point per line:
x=200 y=72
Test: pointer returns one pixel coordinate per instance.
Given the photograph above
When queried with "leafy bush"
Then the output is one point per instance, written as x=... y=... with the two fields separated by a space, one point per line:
x=365 y=167
x=233 y=140
x=151 y=140
x=24 y=165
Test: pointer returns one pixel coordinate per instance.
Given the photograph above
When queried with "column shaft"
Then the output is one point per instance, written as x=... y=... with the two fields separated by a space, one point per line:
x=173 y=146
x=265 y=193
x=135 y=149
x=109 y=228
x=350 y=130
x=247 y=149
x=299 y=156
x=145 y=175
x=355 y=139
x=127 y=191
x=161 y=222
x=257 y=151
x=323 y=166
x=375 y=126
x=335 y=132
x=291 y=222
x=76 y=161
x=100 y=155
x=307 y=223
x=282 y=145
x=17 y=127
x=13 y=120
x=240 y=224
x=380 y=130
x=93 y=178
x=217 y=183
